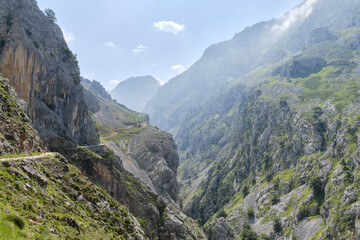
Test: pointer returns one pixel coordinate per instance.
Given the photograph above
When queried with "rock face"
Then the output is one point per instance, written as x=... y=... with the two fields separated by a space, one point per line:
x=16 y=131
x=36 y=59
x=156 y=153
x=135 y=92
x=138 y=167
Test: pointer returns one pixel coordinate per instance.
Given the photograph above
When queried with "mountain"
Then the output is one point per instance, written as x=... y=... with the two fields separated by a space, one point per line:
x=44 y=72
x=135 y=92
x=79 y=192
x=142 y=168
x=262 y=44
x=267 y=128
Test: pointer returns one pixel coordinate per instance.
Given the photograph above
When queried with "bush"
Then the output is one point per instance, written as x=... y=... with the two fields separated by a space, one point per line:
x=316 y=185
x=245 y=191
x=51 y=15
x=277 y=225
x=264 y=236
x=18 y=221
x=275 y=198
x=250 y=212
x=247 y=233
x=221 y=213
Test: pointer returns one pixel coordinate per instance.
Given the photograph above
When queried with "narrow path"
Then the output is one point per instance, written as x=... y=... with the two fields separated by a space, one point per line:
x=28 y=157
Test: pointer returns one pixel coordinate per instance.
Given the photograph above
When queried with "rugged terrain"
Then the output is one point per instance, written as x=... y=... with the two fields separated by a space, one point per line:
x=44 y=72
x=50 y=199
x=138 y=167
x=270 y=149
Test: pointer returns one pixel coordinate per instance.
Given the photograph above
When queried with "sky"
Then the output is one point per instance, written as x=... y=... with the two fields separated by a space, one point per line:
x=118 y=39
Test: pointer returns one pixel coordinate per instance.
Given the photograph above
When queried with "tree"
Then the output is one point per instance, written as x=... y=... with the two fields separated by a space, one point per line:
x=277 y=225
x=316 y=185
x=50 y=14
x=247 y=233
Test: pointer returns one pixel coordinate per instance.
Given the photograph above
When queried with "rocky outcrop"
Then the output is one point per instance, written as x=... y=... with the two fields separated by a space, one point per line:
x=36 y=59
x=16 y=131
x=156 y=153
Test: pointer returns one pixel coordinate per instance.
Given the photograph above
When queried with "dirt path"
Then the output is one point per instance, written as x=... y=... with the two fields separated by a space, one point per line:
x=28 y=157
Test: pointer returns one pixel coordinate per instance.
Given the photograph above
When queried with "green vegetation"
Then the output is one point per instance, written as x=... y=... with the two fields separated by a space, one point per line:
x=247 y=233
x=50 y=15
x=250 y=212
x=277 y=225
x=66 y=206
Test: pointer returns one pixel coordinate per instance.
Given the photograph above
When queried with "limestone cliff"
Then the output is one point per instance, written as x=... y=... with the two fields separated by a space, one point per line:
x=36 y=59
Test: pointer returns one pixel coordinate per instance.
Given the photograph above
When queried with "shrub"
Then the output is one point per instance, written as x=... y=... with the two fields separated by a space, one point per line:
x=221 y=213
x=316 y=185
x=274 y=198
x=247 y=233
x=245 y=191
x=277 y=225
x=250 y=212
x=51 y=15
x=264 y=236
x=18 y=221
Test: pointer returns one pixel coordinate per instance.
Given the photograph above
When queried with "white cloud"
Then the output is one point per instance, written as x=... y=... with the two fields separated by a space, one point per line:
x=169 y=26
x=178 y=68
x=110 y=45
x=299 y=13
x=69 y=37
x=114 y=82
x=139 y=49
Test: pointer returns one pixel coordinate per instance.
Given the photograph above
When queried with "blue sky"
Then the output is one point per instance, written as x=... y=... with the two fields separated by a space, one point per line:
x=118 y=39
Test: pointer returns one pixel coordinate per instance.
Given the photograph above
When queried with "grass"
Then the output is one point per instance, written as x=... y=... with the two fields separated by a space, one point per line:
x=55 y=211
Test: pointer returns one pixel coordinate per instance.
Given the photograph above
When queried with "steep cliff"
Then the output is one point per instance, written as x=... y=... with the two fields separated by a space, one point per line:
x=36 y=59
x=17 y=134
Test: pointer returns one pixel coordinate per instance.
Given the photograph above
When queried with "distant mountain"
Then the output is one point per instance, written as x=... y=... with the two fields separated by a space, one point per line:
x=135 y=92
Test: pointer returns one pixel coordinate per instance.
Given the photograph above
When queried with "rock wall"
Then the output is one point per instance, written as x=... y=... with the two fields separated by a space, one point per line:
x=36 y=59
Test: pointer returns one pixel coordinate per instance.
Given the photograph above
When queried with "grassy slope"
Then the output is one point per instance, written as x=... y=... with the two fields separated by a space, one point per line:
x=68 y=207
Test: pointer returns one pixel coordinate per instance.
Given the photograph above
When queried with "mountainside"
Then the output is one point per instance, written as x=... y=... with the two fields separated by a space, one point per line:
x=135 y=92
x=36 y=59
x=138 y=167
x=47 y=198
x=271 y=147
x=42 y=196
x=262 y=44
